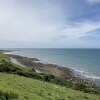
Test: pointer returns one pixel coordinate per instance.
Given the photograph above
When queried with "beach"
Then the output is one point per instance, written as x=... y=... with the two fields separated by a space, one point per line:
x=52 y=69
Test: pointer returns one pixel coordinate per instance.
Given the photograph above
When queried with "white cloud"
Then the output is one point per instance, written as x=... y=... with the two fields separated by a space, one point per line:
x=81 y=29
x=72 y=36
x=93 y=1
x=29 y=22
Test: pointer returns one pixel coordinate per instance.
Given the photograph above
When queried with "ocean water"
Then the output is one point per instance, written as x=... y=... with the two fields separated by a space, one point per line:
x=85 y=62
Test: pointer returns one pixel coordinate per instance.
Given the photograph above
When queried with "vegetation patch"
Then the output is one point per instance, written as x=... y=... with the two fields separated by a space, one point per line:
x=32 y=89
x=7 y=94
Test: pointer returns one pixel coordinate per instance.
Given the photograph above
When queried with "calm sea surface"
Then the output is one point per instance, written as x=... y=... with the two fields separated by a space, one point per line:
x=84 y=61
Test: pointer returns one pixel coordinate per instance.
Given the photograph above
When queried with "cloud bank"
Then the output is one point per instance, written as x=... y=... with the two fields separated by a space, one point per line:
x=48 y=23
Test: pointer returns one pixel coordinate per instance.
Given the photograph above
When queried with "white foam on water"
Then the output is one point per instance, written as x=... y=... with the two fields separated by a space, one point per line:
x=87 y=74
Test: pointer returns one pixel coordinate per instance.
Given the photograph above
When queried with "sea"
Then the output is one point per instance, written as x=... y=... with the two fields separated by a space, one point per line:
x=84 y=62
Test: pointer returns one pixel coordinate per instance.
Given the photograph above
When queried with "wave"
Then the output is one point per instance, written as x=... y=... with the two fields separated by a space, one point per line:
x=86 y=74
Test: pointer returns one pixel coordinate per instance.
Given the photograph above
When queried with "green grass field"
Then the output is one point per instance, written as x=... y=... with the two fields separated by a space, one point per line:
x=23 y=88
x=31 y=89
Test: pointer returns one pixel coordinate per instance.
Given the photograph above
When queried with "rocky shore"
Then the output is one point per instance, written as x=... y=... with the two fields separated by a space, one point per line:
x=52 y=69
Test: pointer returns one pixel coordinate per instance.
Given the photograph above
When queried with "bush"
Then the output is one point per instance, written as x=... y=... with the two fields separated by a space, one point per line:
x=29 y=74
x=88 y=90
x=79 y=86
x=8 y=95
x=8 y=67
x=47 y=77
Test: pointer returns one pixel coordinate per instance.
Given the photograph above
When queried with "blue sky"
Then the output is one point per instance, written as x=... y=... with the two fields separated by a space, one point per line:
x=50 y=24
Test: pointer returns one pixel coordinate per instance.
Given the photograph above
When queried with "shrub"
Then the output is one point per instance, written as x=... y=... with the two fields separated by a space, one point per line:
x=29 y=74
x=47 y=78
x=61 y=81
x=8 y=95
x=7 y=67
x=79 y=86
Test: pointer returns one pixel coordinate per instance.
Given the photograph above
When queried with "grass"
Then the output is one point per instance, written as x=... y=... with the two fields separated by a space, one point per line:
x=7 y=94
x=4 y=57
x=31 y=89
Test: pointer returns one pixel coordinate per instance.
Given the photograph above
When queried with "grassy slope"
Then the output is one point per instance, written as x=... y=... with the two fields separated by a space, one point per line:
x=31 y=89
x=7 y=59
x=4 y=57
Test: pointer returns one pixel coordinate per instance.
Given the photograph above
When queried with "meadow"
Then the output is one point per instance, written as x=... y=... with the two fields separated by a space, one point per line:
x=31 y=89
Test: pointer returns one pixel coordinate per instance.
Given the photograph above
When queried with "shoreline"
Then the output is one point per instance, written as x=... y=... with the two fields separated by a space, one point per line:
x=53 y=69
x=11 y=73
x=79 y=71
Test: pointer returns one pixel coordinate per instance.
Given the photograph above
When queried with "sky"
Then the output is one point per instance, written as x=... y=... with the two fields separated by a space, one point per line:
x=49 y=23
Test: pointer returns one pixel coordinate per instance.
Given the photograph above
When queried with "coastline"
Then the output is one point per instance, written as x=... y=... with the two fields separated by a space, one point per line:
x=84 y=63
x=53 y=69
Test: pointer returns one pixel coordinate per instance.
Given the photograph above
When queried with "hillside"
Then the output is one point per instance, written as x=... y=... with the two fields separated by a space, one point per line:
x=31 y=89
